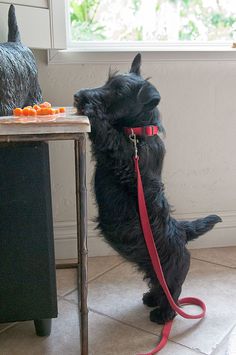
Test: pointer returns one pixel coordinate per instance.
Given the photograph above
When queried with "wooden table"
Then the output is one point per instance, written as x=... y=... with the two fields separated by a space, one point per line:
x=67 y=127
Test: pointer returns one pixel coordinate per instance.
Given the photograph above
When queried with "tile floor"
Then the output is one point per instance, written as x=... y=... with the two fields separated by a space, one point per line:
x=118 y=321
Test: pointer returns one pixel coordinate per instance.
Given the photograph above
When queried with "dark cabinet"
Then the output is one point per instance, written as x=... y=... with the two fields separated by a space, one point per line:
x=27 y=262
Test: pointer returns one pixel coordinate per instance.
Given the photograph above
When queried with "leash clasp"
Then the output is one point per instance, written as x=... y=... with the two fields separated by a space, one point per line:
x=134 y=140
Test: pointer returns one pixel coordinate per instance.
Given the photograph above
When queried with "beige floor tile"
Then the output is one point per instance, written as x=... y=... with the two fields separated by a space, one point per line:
x=222 y=348
x=66 y=278
x=216 y=285
x=4 y=326
x=231 y=346
x=222 y=256
x=100 y=264
x=107 y=337
x=64 y=339
x=118 y=294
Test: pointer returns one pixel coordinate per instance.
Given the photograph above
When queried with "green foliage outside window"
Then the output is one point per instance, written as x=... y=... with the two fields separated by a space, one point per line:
x=152 y=20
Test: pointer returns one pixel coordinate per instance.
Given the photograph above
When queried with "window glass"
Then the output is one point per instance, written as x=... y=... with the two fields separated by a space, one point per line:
x=153 y=20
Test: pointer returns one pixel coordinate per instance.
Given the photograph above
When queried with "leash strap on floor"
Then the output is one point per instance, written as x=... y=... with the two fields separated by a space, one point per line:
x=147 y=232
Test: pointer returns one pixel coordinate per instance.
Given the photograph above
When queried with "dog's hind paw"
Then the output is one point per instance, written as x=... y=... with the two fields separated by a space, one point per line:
x=161 y=316
x=149 y=299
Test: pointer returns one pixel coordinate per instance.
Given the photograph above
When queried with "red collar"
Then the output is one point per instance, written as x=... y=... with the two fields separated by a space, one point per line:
x=142 y=131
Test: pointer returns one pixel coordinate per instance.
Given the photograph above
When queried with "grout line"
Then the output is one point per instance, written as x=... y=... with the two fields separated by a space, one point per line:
x=11 y=325
x=112 y=318
x=124 y=323
x=95 y=277
x=197 y=351
x=222 y=340
x=102 y=273
x=144 y=330
x=213 y=263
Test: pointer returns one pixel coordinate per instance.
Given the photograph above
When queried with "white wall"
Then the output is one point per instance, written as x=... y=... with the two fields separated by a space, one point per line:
x=199 y=113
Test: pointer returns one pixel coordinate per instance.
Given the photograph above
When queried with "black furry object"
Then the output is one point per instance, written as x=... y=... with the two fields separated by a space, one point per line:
x=130 y=101
x=19 y=84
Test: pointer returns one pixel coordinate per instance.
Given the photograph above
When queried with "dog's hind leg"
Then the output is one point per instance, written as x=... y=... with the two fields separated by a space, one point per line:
x=156 y=298
x=150 y=299
x=164 y=312
x=153 y=296
x=175 y=277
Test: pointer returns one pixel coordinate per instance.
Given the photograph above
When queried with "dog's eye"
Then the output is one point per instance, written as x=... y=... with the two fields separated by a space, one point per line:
x=118 y=93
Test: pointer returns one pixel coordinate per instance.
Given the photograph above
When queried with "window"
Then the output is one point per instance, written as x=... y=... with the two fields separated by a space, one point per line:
x=145 y=23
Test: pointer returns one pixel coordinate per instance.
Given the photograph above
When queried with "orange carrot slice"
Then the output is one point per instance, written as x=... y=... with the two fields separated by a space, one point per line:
x=45 y=104
x=25 y=111
x=17 y=111
x=36 y=107
x=32 y=112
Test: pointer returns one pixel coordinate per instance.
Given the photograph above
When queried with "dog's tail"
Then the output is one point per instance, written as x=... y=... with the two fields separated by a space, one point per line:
x=13 y=31
x=200 y=226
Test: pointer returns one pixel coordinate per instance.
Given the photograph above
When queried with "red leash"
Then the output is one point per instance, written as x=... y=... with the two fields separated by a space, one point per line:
x=147 y=232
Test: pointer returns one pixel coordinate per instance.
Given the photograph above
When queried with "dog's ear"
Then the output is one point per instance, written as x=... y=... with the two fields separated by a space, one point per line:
x=136 y=64
x=148 y=96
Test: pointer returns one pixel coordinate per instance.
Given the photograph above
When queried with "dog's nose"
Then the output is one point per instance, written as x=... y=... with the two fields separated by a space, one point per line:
x=76 y=97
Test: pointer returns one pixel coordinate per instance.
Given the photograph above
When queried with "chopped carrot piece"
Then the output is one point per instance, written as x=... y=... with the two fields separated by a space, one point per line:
x=45 y=111
x=52 y=111
x=17 y=111
x=32 y=112
x=45 y=104
x=42 y=111
x=25 y=111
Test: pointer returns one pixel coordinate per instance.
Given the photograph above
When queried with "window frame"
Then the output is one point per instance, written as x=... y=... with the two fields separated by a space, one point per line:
x=114 y=52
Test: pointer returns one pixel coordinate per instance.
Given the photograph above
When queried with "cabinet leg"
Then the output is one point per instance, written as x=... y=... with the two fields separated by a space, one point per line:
x=43 y=327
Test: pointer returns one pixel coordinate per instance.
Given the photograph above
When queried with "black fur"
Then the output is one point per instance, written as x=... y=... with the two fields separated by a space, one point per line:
x=129 y=101
x=19 y=85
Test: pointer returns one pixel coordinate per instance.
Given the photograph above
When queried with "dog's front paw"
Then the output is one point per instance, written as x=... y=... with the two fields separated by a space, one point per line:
x=161 y=316
x=149 y=299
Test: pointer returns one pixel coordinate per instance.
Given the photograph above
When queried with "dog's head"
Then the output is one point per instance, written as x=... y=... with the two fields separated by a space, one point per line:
x=125 y=99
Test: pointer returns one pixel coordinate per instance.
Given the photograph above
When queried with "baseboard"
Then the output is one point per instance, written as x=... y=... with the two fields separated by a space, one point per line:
x=65 y=240
x=223 y=235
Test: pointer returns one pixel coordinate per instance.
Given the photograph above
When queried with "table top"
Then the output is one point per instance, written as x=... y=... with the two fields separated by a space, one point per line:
x=63 y=126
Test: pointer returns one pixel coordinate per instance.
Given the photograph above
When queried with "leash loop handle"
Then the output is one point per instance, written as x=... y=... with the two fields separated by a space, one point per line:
x=147 y=232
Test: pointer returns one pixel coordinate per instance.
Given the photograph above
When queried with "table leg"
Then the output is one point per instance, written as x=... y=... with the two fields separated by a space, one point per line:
x=81 y=214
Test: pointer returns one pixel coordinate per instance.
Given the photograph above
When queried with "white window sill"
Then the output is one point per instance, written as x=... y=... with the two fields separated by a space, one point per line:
x=115 y=53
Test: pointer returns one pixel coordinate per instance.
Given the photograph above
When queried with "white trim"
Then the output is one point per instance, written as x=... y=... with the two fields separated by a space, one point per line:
x=36 y=3
x=65 y=240
x=72 y=56
x=58 y=23
x=149 y=46
x=66 y=245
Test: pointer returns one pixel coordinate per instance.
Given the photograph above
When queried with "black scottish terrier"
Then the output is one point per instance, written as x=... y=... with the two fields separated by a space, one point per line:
x=130 y=101
x=19 y=84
